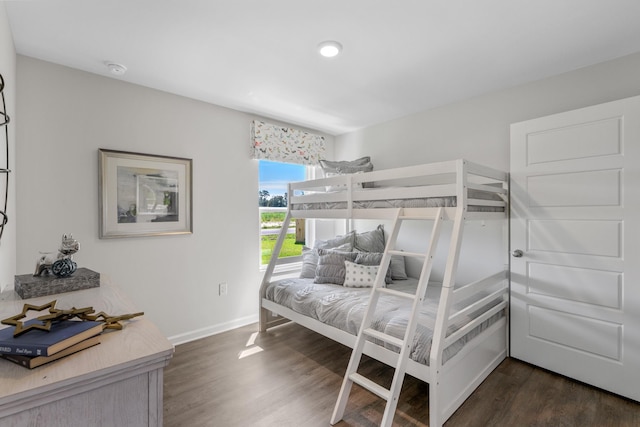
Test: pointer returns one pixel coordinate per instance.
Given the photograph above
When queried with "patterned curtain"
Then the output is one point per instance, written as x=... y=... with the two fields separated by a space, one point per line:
x=287 y=145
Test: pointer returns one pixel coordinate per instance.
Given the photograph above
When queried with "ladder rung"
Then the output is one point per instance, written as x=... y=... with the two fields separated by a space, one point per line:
x=396 y=293
x=371 y=386
x=384 y=337
x=409 y=254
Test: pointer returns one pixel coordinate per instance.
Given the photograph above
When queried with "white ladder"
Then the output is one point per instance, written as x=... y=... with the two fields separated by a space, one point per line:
x=352 y=376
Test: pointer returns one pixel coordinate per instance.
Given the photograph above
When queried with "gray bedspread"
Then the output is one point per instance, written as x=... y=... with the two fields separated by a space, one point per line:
x=344 y=308
x=424 y=202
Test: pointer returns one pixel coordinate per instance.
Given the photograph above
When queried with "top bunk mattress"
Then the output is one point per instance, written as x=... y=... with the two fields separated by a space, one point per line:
x=344 y=307
x=432 y=185
x=416 y=202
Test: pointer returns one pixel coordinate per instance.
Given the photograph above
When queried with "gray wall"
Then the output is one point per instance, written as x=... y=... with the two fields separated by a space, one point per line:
x=66 y=115
x=8 y=71
x=478 y=129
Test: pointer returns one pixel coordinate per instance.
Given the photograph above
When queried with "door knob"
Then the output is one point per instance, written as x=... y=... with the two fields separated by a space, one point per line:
x=517 y=253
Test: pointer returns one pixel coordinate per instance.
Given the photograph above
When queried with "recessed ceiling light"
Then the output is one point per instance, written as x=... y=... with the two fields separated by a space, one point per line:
x=329 y=48
x=115 y=68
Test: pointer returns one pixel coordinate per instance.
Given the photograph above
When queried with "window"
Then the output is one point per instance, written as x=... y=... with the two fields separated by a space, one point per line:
x=272 y=202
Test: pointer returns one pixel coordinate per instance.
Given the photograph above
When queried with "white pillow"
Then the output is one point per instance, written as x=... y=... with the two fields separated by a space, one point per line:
x=358 y=275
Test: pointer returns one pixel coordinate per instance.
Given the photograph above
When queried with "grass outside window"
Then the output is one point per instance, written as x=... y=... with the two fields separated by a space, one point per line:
x=289 y=247
x=274 y=220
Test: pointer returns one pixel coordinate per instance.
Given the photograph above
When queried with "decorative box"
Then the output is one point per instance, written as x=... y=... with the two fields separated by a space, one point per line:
x=29 y=286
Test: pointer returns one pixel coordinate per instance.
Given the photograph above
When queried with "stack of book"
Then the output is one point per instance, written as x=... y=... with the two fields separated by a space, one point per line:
x=37 y=347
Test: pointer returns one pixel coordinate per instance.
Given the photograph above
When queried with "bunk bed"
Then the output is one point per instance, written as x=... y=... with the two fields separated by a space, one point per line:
x=462 y=328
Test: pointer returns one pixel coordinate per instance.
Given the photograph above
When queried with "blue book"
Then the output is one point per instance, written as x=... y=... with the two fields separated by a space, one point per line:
x=35 y=361
x=42 y=343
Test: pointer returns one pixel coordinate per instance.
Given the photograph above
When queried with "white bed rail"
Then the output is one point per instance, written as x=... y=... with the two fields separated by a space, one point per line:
x=444 y=179
x=490 y=292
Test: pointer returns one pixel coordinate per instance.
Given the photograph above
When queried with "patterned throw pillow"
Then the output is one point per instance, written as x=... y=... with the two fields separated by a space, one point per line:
x=330 y=267
x=310 y=260
x=359 y=276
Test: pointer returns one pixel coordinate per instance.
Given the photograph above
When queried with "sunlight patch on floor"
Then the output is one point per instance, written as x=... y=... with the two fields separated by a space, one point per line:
x=252 y=339
x=253 y=349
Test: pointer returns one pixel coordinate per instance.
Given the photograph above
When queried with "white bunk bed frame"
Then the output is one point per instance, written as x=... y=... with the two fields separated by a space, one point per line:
x=450 y=383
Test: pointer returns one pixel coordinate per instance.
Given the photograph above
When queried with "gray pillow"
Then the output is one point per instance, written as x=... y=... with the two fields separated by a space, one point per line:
x=332 y=168
x=309 y=263
x=363 y=164
x=331 y=267
x=348 y=238
x=397 y=268
x=369 y=258
x=310 y=260
x=370 y=241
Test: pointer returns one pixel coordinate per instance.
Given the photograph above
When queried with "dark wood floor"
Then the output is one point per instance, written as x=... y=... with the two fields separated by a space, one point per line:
x=290 y=376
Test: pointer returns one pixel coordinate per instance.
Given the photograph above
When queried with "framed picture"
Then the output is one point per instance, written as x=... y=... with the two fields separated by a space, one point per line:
x=144 y=194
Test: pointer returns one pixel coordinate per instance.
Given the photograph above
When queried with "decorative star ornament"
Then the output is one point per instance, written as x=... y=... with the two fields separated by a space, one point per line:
x=57 y=315
x=20 y=328
x=112 y=322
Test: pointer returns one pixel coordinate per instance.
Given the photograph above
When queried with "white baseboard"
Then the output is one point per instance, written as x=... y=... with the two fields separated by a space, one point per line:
x=213 y=330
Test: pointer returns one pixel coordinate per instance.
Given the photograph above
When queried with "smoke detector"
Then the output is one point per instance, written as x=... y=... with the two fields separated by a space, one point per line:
x=115 y=68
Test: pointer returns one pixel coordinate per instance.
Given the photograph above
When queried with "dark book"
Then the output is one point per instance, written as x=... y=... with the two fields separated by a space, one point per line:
x=37 y=342
x=35 y=361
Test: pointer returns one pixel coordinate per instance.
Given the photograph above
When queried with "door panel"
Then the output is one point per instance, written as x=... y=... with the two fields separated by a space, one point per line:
x=578 y=140
x=575 y=189
x=595 y=287
x=580 y=237
x=600 y=338
x=575 y=214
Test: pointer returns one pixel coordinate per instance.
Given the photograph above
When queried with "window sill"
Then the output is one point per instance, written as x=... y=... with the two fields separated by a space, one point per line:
x=284 y=268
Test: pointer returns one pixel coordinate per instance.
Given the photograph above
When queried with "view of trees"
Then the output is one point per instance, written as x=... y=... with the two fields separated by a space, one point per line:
x=266 y=200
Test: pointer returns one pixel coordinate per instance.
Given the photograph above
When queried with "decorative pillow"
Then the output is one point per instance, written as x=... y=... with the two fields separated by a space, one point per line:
x=333 y=168
x=309 y=263
x=359 y=276
x=370 y=258
x=370 y=241
x=397 y=268
x=363 y=164
x=348 y=238
x=330 y=267
x=310 y=260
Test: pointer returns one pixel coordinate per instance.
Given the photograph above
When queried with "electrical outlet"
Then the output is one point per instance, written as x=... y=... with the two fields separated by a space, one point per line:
x=222 y=289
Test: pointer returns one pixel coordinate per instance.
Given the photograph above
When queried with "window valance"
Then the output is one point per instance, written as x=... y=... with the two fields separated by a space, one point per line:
x=287 y=145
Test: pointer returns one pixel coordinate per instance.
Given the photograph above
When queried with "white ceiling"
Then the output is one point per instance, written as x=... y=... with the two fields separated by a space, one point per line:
x=259 y=56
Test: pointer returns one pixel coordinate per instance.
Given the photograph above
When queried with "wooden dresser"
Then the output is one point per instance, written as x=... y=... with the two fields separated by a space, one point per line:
x=117 y=383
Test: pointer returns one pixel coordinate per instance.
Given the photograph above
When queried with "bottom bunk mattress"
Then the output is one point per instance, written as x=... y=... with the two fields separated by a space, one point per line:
x=344 y=308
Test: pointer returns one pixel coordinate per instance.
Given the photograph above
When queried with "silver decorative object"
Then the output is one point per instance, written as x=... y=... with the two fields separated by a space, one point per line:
x=61 y=264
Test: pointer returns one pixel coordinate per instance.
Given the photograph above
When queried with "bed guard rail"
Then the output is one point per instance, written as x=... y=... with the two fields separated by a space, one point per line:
x=443 y=179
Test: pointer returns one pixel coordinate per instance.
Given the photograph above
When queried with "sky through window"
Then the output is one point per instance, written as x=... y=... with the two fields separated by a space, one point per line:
x=274 y=176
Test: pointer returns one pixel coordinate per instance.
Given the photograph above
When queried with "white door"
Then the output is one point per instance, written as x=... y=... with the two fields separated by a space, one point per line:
x=575 y=242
